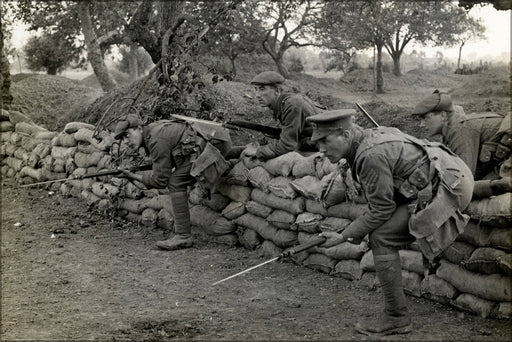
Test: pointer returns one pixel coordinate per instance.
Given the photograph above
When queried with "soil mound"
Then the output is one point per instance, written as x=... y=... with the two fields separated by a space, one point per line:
x=48 y=100
x=492 y=82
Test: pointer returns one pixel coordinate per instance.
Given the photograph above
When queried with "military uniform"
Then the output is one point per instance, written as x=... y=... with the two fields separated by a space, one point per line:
x=291 y=111
x=416 y=190
x=181 y=154
x=475 y=139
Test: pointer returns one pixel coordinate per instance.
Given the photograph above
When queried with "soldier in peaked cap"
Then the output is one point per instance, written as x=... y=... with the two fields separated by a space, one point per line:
x=289 y=109
x=482 y=140
x=181 y=154
x=416 y=190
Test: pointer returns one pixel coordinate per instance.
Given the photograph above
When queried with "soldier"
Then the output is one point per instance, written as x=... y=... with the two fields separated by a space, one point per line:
x=415 y=190
x=180 y=153
x=482 y=140
x=289 y=109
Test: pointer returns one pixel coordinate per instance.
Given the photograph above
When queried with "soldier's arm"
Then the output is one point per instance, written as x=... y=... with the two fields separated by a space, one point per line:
x=377 y=180
x=465 y=142
x=162 y=165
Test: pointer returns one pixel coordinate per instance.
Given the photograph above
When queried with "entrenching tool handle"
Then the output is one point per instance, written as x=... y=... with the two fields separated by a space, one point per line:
x=297 y=249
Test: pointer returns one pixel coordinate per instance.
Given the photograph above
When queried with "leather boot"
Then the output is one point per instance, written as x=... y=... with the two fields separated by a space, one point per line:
x=394 y=319
x=182 y=237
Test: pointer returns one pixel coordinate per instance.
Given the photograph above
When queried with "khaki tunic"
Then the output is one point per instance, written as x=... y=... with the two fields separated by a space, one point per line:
x=291 y=110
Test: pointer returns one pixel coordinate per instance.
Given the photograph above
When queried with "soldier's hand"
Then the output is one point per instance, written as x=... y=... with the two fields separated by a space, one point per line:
x=332 y=239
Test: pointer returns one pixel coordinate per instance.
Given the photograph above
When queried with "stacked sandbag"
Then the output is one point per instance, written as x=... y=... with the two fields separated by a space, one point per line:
x=24 y=145
x=479 y=263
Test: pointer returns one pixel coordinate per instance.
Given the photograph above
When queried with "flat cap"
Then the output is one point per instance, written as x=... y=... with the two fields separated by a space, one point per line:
x=267 y=78
x=435 y=102
x=127 y=121
x=329 y=121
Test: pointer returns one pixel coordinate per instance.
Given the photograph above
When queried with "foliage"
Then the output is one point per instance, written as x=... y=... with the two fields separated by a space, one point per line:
x=50 y=52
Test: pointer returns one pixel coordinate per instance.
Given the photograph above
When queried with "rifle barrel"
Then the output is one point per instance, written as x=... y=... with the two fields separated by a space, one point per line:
x=367 y=115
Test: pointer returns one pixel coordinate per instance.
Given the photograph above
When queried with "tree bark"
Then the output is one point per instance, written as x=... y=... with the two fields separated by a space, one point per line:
x=396 y=64
x=94 y=55
x=133 y=65
x=380 y=79
x=460 y=54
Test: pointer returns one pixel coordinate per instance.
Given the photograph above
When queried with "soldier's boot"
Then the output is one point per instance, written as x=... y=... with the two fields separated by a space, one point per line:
x=182 y=237
x=394 y=319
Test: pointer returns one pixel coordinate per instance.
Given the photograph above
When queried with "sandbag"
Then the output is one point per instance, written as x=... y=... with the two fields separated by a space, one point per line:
x=16 y=138
x=309 y=187
x=437 y=289
x=64 y=139
x=285 y=238
x=105 y=190
x=280 y=186
x=305 y=166
x=470 y=303
x=493 y=287
x=216 y=202
x=233 y=210
x=281 y=219
x=258 y=209
x=225 y=239
x=348 y=210
x=344 y=251
x=348 y=269
x=149 y=217
x=6 y=137
x=235 y=192
x=249 y=238
x=458 y=252
x=14 y=163
x=132 y=205
x=488 y=261
x=6 y=126
x=295 y=206
x=196 y=195
x=48 y=175
x=281 y=237
x=334 y=224
x=502 y=310
x=165 y=219
x=367 y=263
x=486 y=236
x=87 y=160
x=412 y=261
x=320 y=262
x=29 y=143
x=269 y=249
x=369 y=280
x=308 y=222
x=238 y=175
x=103 y=141
x=44 y=135
x=335 y=189
x=282 y=165
x=41 y=150
x=27 y=128
x=73 y=127
x=63 y=152
x=315 y=207
x=495 y=211
x=30 y=172
x=411 y=282
x=16 y=117
x=259 y=178
x=323 y=167
x=89 y=197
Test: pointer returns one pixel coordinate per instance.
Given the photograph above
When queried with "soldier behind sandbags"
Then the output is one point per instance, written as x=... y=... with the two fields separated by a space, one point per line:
x=181 y=154
x=482 y=140
x=290 y=110
x=415 y=190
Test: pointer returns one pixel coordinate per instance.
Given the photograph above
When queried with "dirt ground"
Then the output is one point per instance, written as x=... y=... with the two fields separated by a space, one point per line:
x=69 y=273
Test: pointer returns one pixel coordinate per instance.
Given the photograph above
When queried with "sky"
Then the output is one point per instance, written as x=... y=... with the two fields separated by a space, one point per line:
x=498 y=41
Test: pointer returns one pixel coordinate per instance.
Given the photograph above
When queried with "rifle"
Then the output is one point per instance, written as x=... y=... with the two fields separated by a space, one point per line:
x=97 y=174
x=271 y=132
x=367 y=115
x=291 y=251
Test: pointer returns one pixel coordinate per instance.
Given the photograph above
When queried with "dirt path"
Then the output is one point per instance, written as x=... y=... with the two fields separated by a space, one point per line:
x=68 y=274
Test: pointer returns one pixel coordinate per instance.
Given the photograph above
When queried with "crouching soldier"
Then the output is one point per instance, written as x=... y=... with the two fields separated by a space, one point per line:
x=181 y=153
x=290 y=110
x=482 y=140
x=416 y=190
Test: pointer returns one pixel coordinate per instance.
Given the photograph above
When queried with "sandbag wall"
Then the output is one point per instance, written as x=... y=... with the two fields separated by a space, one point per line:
x=272 y=206
x=290 y=199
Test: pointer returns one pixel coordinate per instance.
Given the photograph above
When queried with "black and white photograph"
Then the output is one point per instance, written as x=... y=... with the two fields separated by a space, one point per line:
x=256 y=170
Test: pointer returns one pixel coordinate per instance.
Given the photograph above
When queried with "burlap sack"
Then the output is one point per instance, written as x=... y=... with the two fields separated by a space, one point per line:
x=282 y=165
x=308 y=186
x=295 y=206
x=305 y=166
x=345 y=251
x=458 y=252
x=437 y=289
x=334 y=189
x=347 y=210
x=494 y=287
x=281 y=219
x=259 y=178
x=280 y=186
x=323 y=167
x=488 y=261
x=249 y=238
x=165 y=219
x=348 y=269
x=269 y=249
x=316 y=207
x=235 y=192
x=334 y=224
x=258 y=209
x=411 y=282
x=308 y=222
x=233 y=210
x=73 y=127
x=238 y=175
x=470 y=303
x=105 y=190
x=89 y=197
x=485 y=236
x=320 y=262
x=216 y=202
x=149 y=217
x=502 y=310
x=495 y=211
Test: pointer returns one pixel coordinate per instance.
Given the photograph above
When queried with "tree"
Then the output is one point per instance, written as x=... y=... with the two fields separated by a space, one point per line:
x=290 y=23
x=240 y=33
x=500 y=5
x=100 y=23
x=50 y=52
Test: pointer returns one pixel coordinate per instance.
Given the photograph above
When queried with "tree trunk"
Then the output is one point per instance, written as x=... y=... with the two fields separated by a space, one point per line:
x=233 y=67
x=396 y=64
x=380 y=79
x=460 y=53
x=280 y=66
x=133 y=65
x=51 y=70
x=94 y=55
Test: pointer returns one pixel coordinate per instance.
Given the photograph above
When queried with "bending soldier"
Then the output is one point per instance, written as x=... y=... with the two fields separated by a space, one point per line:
x=289 y=109
x=482 y=140
x=415 y=190
x=181 y=153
